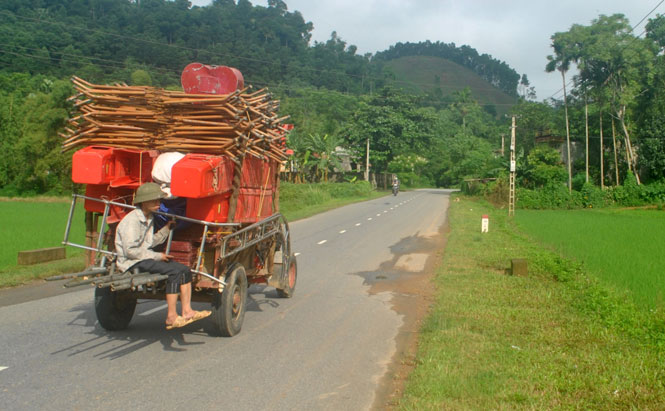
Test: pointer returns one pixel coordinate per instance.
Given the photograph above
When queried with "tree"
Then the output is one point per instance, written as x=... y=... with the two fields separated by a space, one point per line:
x=613 y=59
x=561 y=60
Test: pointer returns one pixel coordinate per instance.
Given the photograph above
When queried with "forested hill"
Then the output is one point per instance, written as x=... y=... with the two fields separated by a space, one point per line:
x=108 y=40
x=495 y=72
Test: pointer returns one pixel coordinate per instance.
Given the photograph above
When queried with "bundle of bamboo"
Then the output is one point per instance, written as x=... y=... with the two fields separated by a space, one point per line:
x=140 y=117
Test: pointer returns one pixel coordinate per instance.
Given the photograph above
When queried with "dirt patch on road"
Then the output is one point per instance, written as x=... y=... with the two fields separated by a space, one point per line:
x=409 y=277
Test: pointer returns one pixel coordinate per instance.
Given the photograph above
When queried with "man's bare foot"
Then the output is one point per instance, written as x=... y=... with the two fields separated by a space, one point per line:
x=171 y=320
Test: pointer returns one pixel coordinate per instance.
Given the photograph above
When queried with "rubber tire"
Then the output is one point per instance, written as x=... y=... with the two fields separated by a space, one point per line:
x=114 y=309
x=227 y=319
x=290 y=285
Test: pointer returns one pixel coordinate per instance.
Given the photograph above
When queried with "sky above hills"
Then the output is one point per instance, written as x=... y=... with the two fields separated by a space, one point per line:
x=517 y=31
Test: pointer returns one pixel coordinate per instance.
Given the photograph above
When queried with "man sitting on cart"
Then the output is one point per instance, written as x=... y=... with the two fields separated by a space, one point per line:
x=134 y=240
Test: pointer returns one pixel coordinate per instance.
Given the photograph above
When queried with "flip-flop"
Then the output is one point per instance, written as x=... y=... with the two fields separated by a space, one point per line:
x=179 y=322
x=199 y=315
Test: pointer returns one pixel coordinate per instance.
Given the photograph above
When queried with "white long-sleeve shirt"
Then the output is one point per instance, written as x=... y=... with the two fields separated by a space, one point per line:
x=134 y=239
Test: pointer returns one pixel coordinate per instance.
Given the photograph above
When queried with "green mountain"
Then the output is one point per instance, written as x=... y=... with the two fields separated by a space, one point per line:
x=421 y=74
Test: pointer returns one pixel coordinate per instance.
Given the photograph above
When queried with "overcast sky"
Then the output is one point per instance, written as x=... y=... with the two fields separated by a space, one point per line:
x=515 y=31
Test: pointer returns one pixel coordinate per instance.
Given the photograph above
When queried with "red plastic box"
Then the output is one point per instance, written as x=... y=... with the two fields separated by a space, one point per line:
x=252 y=206
x=257 y=173
x=200 y=175
x=93 y=165
x=113 y=166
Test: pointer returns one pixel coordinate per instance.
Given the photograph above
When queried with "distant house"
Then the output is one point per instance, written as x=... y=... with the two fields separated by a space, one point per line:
x=344 y=158
x=559 y=143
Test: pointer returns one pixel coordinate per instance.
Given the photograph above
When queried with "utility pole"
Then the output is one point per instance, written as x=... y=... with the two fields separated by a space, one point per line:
x=367 y=162
x=503 y=137
x=511 y=195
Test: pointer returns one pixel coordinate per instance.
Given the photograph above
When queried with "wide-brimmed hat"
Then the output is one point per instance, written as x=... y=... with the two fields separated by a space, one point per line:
x=148 y=192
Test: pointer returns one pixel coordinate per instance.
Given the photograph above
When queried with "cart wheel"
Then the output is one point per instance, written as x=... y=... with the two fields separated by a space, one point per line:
x=289 y=279
x=228 y=307
x=114 y=309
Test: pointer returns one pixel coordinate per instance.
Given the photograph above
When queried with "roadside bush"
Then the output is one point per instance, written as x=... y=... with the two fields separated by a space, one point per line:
x=497 y=192
x=592 y=196
x=551 y=196
x=472 y=188
x=413 y=180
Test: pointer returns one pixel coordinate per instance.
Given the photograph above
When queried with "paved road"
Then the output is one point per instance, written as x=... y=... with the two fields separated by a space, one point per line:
x=326 y=348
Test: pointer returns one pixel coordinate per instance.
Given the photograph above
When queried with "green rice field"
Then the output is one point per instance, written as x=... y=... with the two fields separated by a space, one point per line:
x=625 y=249
x=27 y=225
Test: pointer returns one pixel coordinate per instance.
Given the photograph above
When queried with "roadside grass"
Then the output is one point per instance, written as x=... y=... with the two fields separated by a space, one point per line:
x=298 y=201
x=624 y=248
x=556 y=338
x=40 y=222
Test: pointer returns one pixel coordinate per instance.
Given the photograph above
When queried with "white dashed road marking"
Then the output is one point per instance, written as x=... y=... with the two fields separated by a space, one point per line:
x=358 y=224
x=342 y=232
x=296 y=254
x=378 y=215
x=3 y=368
x=154 y=310
x=369 y=219
x=322 y=242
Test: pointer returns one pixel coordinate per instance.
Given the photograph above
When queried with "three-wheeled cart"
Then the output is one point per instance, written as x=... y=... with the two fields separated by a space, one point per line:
x=218 y=148
x=225 y=257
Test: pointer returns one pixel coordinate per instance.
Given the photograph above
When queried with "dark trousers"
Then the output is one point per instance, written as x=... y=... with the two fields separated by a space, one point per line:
x=178 y=273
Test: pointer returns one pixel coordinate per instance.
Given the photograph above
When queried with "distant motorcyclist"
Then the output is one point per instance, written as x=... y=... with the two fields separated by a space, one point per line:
x=395 y=185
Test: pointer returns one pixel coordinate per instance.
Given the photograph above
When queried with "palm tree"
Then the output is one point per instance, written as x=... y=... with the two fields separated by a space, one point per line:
x=561 y=62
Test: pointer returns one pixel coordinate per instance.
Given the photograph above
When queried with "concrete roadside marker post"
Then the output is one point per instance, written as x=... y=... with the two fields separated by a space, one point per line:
x=518 y=266
x=485 y=224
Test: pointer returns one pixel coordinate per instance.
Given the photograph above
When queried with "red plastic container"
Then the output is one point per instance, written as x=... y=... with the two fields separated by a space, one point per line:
x=257 y=173
x=252 y=206
x=113 y=166
x=198 y=78
x=93 y=165
x=214 y=209
x=200 y=175
x=106 y=192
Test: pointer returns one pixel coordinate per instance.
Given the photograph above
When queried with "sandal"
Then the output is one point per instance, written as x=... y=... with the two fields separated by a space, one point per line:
x=179 y=322
x=199 y=315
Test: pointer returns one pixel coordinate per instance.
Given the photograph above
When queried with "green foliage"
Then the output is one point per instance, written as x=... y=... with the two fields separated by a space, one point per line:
x=543 y=168
x=33 y=111
x=141 y=78
x=494 y=71
x=421 y=75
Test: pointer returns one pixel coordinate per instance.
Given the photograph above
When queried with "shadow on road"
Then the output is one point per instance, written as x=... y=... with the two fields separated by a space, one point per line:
x=146 y=330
